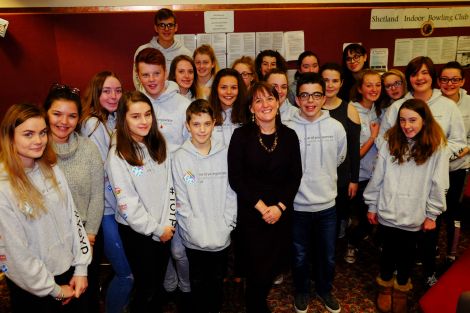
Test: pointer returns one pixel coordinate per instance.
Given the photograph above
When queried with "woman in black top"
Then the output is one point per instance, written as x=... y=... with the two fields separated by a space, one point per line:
x=346 y=114
x=265 y=170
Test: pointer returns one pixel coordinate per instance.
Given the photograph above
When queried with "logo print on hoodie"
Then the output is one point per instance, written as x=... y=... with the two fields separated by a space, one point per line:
x=137 y=170
x=189 y=177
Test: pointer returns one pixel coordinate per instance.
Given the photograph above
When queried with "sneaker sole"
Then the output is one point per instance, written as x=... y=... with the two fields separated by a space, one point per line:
x=300 y=311
x=328 y=308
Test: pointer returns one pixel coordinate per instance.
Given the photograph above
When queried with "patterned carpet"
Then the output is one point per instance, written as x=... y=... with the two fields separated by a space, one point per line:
x=354 y=284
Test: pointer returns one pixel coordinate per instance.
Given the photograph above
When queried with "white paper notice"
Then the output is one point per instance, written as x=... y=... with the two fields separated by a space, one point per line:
x=189 y=41
x=270 y=41
x=463 y=50
x=440 y=49
x=203 y=39
x=294 y=44
x=218 y=22
x=402 y=53
x=241 y=43
x=379 y=59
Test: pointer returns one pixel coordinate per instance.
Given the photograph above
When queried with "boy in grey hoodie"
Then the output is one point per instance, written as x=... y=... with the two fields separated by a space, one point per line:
x=165 y=28
x=323 y=148
x=206 y=206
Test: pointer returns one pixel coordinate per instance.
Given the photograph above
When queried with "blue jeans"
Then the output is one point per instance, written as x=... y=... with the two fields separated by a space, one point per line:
x=120 y=287
x=177 y=272
x=319 y=227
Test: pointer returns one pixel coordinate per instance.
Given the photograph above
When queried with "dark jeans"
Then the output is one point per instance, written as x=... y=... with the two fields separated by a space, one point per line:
x=207 y=270
x=24 y=302
x=319 y=227
x=398 y=253
x=148 y=260
x=362 y=227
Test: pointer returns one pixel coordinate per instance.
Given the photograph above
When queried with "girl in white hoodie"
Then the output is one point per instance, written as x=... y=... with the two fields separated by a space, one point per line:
x=139 y=171
x=44 y=249
x=406 y=194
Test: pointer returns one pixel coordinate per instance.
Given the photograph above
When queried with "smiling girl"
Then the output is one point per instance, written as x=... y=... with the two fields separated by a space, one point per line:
x=44 y=252
x=227 y=97
x=183 y=72
x=139 y=171
x=366 y=92
x=414 y=151
x=206 y=65
x=278 y=79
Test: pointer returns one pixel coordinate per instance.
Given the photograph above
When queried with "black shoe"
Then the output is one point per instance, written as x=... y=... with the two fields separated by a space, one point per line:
x=331 y=303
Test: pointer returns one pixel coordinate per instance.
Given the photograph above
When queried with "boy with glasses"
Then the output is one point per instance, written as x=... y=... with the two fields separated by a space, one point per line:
x=166 y=28
x=323 y=148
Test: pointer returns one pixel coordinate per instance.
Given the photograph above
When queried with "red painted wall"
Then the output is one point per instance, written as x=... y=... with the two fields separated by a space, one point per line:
x=40 y=49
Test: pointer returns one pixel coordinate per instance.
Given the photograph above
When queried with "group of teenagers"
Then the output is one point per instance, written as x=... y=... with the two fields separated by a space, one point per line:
x=199 y=164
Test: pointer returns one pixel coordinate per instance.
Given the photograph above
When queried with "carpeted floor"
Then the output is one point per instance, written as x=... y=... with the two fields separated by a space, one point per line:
x=354 y=284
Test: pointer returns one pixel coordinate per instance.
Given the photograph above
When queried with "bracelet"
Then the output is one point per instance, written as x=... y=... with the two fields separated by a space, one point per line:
x=60 y=297
x=279 y=207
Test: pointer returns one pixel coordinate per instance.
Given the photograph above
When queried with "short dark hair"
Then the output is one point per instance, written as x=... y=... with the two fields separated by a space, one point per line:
x=163 y=14
x=310 y=78
x=455 y=65
x=280 y=61
x=333 y=67
x=197 y=107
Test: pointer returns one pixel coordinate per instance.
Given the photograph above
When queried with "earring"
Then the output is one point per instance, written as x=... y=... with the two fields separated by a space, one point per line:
x=253 y=117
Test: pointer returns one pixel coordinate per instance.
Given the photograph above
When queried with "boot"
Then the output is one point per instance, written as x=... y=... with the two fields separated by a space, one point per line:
x=384 y=299
x=400 y=297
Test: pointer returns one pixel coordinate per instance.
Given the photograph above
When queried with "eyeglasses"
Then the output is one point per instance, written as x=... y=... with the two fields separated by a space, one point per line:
x=58 y=86
x=305 y=96
x=168 y=26
x=396 y=84
x=453 y=80
x=354 y=58
x=246 y=74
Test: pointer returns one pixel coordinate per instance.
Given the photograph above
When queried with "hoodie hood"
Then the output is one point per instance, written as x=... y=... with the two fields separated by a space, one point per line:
x=216 y=147
x=176 y=46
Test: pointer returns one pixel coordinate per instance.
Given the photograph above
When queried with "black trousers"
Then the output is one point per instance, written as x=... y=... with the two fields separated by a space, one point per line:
x=148 y=260
x=398 y=253
x=207 y=270
x=24 y=302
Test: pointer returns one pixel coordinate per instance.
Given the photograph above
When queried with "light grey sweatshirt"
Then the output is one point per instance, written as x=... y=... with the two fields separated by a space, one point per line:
x=206 y=205
x=323 y=148
x=443 y=110
x=170 y=110
x=145 y=194
x=404 y=195
x=100 y=134
x=33 y=251
x=81 y=163
x=464 y=108
x=223 y=133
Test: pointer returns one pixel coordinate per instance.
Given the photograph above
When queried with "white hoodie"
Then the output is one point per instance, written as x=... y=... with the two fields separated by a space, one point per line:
x=444 y=111
x=170 y=110
x=323 y=148
x=224 y=132
x=176 y=49
x=145 y=194
x=206 y=205
x=404 y=195
x=464 y=108
x=33 y=251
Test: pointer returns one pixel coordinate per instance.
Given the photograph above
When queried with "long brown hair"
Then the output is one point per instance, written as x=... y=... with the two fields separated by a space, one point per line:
x=91 y=100
x=172 y=74
x=126 y=147
x=426 y=142
x=31 y=201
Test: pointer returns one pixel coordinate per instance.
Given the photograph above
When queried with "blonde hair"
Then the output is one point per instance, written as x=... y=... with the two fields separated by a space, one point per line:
x=30 y=200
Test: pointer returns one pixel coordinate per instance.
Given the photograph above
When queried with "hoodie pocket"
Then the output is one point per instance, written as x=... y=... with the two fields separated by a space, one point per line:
x=410 y=211
x=208 y=234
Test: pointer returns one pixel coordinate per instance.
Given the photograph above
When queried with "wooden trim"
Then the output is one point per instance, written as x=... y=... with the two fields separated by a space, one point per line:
x=215 y=7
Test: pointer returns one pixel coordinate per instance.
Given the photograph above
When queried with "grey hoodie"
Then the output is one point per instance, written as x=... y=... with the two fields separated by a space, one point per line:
x=145 y=194
x=206 y=205
x=444 y=111
x=33 y=251
x=170 y=110
x=323 y=148
x=176 y=49
x=404 y=195
x=464 y=108
x=224 y=132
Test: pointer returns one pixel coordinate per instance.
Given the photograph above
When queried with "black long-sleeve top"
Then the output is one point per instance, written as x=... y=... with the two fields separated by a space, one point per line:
x=255 y=174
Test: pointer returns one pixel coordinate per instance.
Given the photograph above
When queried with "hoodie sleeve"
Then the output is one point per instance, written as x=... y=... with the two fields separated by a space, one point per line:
x=17 y=261
x=230 y=213
x=388 y=120
x=372 y=191
x=342 y=146
x=456 y=135
x=130 y=207
x=353 y=149
x=436 y=202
